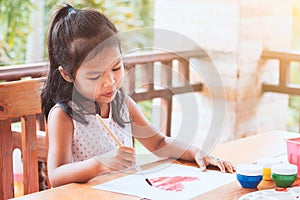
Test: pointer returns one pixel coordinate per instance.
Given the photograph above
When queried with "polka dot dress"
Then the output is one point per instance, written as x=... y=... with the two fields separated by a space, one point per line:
x=92 y=139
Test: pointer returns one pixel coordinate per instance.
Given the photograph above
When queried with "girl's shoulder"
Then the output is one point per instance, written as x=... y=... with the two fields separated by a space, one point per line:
x=60 y=127
x=56 y=108
x=58 y=111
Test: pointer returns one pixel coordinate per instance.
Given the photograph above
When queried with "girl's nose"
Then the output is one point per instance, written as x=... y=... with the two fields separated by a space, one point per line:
x=108 y=81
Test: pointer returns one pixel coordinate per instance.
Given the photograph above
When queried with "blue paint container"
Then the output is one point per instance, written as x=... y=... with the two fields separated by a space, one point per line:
x=249 y=175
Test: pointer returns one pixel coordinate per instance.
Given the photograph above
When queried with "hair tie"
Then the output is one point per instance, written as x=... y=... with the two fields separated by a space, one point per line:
x=71 y=10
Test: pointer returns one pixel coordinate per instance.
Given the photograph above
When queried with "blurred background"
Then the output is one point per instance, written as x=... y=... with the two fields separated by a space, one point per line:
x=24 y=23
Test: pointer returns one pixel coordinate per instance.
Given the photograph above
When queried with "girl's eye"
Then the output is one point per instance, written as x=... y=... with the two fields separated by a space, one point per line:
x=116 y=69
x=96 y=78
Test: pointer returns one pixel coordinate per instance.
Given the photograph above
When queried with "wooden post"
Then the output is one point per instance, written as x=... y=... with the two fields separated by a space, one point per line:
x=29 y=152
x=166 y=102
x=6 y=162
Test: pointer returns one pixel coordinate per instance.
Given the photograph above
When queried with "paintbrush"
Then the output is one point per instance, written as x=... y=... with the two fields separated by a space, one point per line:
x=119 y=144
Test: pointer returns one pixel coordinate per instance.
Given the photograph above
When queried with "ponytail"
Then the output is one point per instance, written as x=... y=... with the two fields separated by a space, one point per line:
x=54 y=80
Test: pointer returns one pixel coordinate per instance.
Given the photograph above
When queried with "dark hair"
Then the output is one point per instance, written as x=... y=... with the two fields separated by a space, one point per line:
x=73 y=35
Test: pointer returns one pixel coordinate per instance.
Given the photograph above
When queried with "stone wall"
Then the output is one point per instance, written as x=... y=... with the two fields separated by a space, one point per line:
x=238 y=30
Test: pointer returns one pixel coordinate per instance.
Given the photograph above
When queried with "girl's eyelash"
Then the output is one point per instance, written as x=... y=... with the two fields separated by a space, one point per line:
x=94 y=78
x=116 y=69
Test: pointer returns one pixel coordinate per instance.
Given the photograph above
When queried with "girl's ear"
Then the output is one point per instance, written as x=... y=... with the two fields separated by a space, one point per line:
x=64 y=74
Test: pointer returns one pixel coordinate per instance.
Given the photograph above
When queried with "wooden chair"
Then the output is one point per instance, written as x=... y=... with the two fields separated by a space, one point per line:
x=21 y=99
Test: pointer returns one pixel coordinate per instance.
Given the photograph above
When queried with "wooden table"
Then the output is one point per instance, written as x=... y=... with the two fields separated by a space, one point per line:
x=246 y=150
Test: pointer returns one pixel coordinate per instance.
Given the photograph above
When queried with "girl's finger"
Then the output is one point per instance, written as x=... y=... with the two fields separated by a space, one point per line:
x=126 y=149
x=129 y=159
x=201 y=163
x=230 y=168
x=127 y=164
x=217 y=162
x=126 y=153
x=221 y=166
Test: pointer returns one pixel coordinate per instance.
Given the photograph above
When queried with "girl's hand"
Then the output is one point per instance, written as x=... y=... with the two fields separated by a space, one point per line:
x=203 y=162
x=118 y=159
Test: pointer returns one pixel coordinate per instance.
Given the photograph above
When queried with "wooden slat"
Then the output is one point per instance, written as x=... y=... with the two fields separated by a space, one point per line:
x=284 y=72
x=34 y=70
x=183 y=69
x=11 y=101
x=141 y=96
x=29 y=152
x=41 y=144
x=147 y=76
x=6 y=163
x=166 y=73
x=166 y=101
x=151 y=57
x=281 y=55
x=281 y=89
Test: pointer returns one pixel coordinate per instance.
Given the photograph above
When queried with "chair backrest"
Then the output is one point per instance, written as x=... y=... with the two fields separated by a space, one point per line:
x=19 y=99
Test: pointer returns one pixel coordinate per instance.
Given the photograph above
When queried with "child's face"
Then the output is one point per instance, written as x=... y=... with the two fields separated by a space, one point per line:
x=99 y=78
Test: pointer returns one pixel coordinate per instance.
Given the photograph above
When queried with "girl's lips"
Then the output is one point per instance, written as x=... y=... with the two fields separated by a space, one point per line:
x=109 y=94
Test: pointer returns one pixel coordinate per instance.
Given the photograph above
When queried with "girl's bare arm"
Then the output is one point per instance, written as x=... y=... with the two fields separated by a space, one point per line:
x=164 y=146
x=61 y=170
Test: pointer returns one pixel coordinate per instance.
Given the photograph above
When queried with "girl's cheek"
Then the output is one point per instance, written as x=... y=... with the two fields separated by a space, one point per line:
x=97 y=88
x=119 y=77
x=88 y=89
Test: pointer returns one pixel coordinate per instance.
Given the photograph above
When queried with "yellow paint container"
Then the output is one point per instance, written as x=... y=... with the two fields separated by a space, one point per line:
x=267 y=164
x=267 y=174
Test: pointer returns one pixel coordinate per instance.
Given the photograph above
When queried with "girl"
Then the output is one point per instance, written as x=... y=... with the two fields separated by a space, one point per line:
x=84 y=79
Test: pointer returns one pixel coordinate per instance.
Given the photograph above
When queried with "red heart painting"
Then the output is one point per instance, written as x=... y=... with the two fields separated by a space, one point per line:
x=172 y=183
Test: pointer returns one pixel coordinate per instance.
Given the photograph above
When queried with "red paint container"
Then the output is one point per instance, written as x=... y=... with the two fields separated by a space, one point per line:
x=293 y=152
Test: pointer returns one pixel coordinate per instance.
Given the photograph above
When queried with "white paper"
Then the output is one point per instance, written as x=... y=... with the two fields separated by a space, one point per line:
x=136 y=185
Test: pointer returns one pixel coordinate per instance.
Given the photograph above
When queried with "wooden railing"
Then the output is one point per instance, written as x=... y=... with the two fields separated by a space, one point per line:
x=16 y=72
x=284 y=85
x=148 y=91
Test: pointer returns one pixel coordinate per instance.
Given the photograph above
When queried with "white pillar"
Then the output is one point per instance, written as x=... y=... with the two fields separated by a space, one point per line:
x=239 y=30
x=35 y=41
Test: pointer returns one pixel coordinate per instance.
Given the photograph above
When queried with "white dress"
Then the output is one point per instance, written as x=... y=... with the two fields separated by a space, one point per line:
x=92 y=139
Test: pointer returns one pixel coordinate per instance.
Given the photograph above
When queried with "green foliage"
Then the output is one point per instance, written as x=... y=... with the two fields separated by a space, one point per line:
x=14 y=28
x=146 y=108
x=15 y=24
x=296 y=27
x=119 y=11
